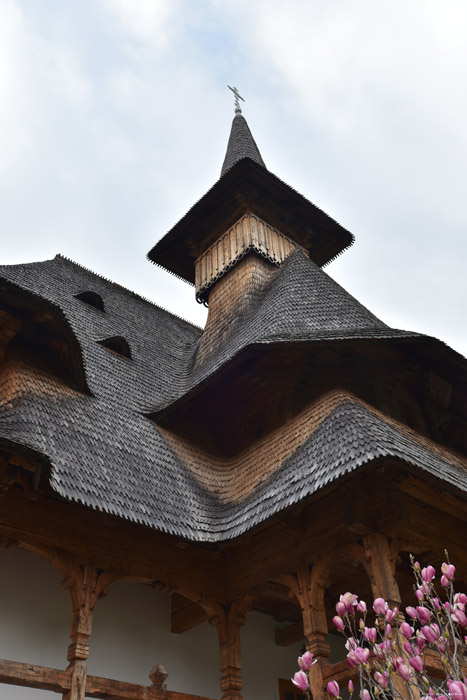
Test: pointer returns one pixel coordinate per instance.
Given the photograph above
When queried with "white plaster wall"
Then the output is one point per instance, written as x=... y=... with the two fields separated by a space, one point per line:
x=263 y=661
x=131 y=633
x=34 y=618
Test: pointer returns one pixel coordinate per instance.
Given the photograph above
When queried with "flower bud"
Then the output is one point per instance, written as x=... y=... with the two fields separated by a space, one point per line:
x=300 y=679
x=405 y=672
x=338 y=623
x=333 y=688
x=407 y=630
x=305 y=661
x=370 y=633
x=381 y=679
x=428 y=574
x=423 y=614
x=380 y=606
x=448 y=570
x=340 y=608
x=416 y=663
x=457 y=690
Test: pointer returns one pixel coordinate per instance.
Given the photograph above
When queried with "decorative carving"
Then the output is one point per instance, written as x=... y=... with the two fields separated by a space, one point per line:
x=308 y=586
x=247 y=234
x=158 y=675
x=228 y=620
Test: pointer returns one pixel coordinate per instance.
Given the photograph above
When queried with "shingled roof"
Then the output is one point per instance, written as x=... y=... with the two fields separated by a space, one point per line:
x=300 y=304
x=241 y=145
x=106 y=455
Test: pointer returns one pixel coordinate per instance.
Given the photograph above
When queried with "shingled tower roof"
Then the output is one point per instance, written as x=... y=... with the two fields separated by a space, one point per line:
x=241 y=145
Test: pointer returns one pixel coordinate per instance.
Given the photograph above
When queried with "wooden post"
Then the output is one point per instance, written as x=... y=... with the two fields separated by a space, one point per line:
x=308 y=587
x=86 y=586
x=380 y=564
x=228 y=620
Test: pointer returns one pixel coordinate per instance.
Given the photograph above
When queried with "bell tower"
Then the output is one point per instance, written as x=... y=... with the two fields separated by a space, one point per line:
x=236 y=236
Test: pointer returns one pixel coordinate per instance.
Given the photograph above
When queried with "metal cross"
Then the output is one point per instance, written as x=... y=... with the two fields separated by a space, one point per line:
x=237 y=98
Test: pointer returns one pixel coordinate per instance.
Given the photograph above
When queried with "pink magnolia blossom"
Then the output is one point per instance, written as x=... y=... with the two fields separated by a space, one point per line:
x=305 y=661
x=350 y=686
x=370 y=633
x=407 y=630
x=361 y=606
x=391 y=614
x=338 y=623
x=350 y=601
x=381 y=679
x=340 y=608
x=416 y=662
x=459 y=616
x=421 y=641
x=333 y=689
x=411 y=612
x=420 y=594
x=444 y=581
x=380 y=606
x=430 y=632
x=408 y=648
x=423 y=614
x=460 y=598
x=405 y=672
x=428 y=574
x=300 y=679
x=457 y=690
x=448 y=570
x=441 y=646
x=365 y=695
x=362 y=655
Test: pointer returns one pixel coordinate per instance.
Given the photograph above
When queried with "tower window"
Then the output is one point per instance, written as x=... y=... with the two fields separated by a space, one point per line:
x=92 y=299
x=118 y=345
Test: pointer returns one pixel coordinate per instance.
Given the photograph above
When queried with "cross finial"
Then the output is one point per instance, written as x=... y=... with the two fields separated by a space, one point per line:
x=238 y=97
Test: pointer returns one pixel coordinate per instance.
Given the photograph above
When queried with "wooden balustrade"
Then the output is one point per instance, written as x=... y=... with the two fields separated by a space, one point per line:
x=58 y=681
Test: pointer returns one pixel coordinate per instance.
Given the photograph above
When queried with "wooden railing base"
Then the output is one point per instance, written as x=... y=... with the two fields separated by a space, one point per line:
x=58 y=681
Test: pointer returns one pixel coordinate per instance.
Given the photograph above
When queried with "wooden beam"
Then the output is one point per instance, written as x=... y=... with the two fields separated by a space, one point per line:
x=32 y=676
x=106 y=689
x=58 y=681
x=284 y=636
x=139 y=553
x=185 y=614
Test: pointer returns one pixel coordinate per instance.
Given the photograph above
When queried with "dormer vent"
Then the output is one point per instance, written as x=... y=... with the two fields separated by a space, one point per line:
x=92 y=299
x=249 y=233
x=118 y=345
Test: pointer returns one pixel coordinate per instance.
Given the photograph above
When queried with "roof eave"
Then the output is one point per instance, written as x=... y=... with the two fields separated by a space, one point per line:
x=247 y=186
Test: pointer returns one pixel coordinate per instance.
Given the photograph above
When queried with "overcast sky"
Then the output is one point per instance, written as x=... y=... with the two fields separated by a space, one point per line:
x=115 y=115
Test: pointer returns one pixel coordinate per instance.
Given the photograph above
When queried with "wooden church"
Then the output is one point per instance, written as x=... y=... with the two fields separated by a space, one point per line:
x=295 y=448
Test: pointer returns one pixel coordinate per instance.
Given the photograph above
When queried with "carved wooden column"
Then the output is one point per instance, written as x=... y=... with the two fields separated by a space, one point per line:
x=308 y=587
x=228 y=621
x=380 y=564
x=86 y=586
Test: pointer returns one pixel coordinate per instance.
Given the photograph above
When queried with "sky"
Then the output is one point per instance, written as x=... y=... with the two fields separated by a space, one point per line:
x=115 y=116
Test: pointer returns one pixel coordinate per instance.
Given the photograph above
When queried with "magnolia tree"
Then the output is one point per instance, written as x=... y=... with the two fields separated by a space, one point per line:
x=390 y=656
